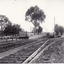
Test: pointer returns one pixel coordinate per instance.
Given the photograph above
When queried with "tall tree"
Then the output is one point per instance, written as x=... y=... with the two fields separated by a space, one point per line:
x=35 y=15
x=4 y=21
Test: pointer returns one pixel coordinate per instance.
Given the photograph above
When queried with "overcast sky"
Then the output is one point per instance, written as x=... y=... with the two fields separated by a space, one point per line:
x=15 y=10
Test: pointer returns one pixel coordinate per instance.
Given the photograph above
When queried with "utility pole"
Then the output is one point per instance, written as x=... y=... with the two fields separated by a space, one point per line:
x=54 y=21
x=54 y=26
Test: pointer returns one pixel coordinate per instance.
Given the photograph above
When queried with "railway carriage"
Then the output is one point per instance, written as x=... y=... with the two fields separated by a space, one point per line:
x=23 y=35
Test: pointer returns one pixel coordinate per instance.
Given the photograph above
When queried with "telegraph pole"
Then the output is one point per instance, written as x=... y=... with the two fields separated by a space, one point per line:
x=54 y=21
x=54 y=26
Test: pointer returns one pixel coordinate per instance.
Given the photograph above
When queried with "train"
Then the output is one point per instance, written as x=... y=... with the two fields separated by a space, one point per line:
x=21 y=35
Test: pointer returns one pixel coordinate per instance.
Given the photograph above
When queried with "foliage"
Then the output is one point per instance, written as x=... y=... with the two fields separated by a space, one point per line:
x=12 y=29
x=39 y=30
x=4 y=21
x=35 y=15
x=6 y=26
x=34 y=30
x=58 y=29
x=61 y=30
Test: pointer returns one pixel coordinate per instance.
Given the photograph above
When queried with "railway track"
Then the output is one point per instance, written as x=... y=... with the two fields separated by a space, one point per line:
x=38 y=52
x=26 y=50
x=44 y=55
x=5 y=46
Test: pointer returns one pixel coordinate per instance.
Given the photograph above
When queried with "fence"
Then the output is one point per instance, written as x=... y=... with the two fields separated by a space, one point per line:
x=8 y=38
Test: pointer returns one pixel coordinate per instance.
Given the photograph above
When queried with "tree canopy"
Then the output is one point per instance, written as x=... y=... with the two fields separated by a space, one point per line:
x=12 y=29
x=4 y=21
x=58 y=29
x=7 y=28
x=35 y=15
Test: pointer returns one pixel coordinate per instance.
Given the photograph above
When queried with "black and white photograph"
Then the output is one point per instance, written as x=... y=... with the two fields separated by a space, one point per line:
x=31 y=31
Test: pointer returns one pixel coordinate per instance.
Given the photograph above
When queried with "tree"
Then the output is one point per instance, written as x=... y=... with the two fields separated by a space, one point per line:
x=34 y=30
x=61 y=30
x=58 y=29
x=16 y=28
x=35 y=15
x=39 y=30
x=12 y=29
x=3 y=22
x=8 y=30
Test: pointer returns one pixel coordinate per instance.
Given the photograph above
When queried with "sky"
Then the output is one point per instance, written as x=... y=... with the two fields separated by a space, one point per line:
x=15 y=10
